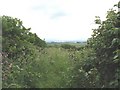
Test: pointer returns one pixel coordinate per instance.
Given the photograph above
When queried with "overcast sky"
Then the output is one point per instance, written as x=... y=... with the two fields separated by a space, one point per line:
x=58 y=20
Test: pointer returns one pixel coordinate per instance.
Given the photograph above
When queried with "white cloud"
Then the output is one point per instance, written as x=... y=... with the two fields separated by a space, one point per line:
x=58 y=19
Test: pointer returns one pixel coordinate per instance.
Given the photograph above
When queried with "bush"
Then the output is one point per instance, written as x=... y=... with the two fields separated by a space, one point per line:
x=68 y=46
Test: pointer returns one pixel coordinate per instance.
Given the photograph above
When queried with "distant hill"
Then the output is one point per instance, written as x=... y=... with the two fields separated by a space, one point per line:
x=66 y=41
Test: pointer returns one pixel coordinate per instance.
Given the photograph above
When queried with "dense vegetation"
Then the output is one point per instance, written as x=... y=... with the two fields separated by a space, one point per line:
x=28 y=62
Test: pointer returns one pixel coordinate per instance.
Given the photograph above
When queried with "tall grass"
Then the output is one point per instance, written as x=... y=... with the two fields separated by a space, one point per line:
x=47 y=68
x=50 y=67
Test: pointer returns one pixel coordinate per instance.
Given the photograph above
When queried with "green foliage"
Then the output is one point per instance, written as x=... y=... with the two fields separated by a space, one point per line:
x=105 y=41
x=68 y=46
x=19 y=49
x=55 y=68
x=28 y=63
x=101 y=58
x=72 y=47
x=85 y=73
x=15 y=32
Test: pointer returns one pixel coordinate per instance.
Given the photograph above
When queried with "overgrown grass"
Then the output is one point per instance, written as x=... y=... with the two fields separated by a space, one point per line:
x=56 y=68
x=49 y=68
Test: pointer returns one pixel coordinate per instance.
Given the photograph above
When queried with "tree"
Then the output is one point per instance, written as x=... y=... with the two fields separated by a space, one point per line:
x=18 y=51
x=105 y=41
x=14 y=33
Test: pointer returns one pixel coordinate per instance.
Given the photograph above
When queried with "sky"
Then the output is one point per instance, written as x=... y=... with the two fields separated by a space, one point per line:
x=58 y=20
